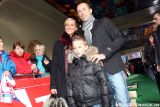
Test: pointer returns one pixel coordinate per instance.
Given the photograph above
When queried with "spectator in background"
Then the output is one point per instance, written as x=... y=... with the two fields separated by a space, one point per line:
x=42 y=61
x=61 y=49
x=156 y=21
x=7 y=67
x=22 y=60
x=31 y=46
x=150 y=59
x=149 y=56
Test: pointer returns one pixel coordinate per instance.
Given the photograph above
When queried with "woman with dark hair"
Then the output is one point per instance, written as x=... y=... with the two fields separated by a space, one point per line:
x=149 y=56
x=61 y=49
x=151 y=59
x=22 y=60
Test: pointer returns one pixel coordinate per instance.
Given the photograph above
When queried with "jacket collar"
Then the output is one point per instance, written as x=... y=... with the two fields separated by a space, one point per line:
x=87 y=56
x=94 y=26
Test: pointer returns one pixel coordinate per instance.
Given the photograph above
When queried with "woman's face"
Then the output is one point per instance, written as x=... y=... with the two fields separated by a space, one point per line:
x=70 y=27
x=151 y=39
x=38 y=51
x=19 y=51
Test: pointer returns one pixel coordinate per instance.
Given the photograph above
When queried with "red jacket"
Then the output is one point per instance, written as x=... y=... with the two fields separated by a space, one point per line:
x=23 y=64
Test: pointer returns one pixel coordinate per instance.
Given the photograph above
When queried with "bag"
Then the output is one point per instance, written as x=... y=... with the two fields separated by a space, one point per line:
x=53 y=101
x=6 y=89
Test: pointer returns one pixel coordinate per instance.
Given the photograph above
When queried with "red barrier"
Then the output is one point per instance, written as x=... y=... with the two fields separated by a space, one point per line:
x=32 y=92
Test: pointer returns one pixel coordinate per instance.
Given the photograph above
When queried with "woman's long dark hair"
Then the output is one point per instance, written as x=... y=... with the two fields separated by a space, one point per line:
x=66 y=40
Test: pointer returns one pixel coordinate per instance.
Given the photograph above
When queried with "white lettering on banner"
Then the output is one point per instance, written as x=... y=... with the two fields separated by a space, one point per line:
x=21 y=94
x=42 y=99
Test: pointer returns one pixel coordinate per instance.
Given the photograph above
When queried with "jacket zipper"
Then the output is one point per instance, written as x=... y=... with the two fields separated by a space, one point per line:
x=80 y=82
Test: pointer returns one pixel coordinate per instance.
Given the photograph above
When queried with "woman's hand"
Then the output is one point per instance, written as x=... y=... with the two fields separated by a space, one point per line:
x=42 y=73
x=34 y=68
x=7 y=73
x=46 y=62
x=53 y=91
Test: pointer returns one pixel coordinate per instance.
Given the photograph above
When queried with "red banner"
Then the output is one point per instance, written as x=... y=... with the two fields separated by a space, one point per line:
x=30 y=92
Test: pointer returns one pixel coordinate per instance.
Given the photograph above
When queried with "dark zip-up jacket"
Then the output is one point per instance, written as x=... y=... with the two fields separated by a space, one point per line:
x=107 y=38
x=86 y=84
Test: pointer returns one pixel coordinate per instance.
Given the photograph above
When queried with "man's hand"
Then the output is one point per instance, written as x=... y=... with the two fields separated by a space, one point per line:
x=53 y=91
x=7 y=73
x=98 y=57
x=158 y=68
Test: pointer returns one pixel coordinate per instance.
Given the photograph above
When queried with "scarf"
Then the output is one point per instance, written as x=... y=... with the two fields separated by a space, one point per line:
x=39 y=64
x=87 y=26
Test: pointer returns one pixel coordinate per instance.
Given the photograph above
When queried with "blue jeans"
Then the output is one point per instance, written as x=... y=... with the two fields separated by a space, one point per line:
x=119 y=88
x=150 y=74
x=97 y=105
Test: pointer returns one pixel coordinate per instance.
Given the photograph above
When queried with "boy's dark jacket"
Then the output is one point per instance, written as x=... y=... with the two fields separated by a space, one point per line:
x=86 y=83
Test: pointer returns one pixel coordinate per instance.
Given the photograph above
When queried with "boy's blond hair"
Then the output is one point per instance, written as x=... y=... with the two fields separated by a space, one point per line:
x=79 y=37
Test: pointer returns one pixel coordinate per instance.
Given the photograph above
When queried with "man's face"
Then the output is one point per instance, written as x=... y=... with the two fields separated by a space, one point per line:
x=79 y=47
x=156 y=19
x=84 y=12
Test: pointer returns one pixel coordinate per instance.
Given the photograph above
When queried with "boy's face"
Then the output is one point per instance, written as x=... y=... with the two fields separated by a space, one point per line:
x=1 y=45
x=79 y=47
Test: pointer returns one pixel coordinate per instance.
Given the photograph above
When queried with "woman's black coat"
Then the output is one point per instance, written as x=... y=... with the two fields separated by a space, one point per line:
x=58 y=69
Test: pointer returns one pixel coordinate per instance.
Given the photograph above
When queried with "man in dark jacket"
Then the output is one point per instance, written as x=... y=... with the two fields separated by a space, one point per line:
x=156 y=20
x=103 y=34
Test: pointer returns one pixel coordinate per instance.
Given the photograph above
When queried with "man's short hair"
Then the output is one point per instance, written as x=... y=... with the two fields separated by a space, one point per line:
x=157 y=12
x=89 y=6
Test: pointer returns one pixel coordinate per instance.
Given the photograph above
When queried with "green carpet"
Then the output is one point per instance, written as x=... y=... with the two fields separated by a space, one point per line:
x=147 y=90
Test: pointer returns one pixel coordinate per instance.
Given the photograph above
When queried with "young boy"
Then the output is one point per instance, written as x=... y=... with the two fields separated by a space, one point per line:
x=7 y=67
x=86 y=84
